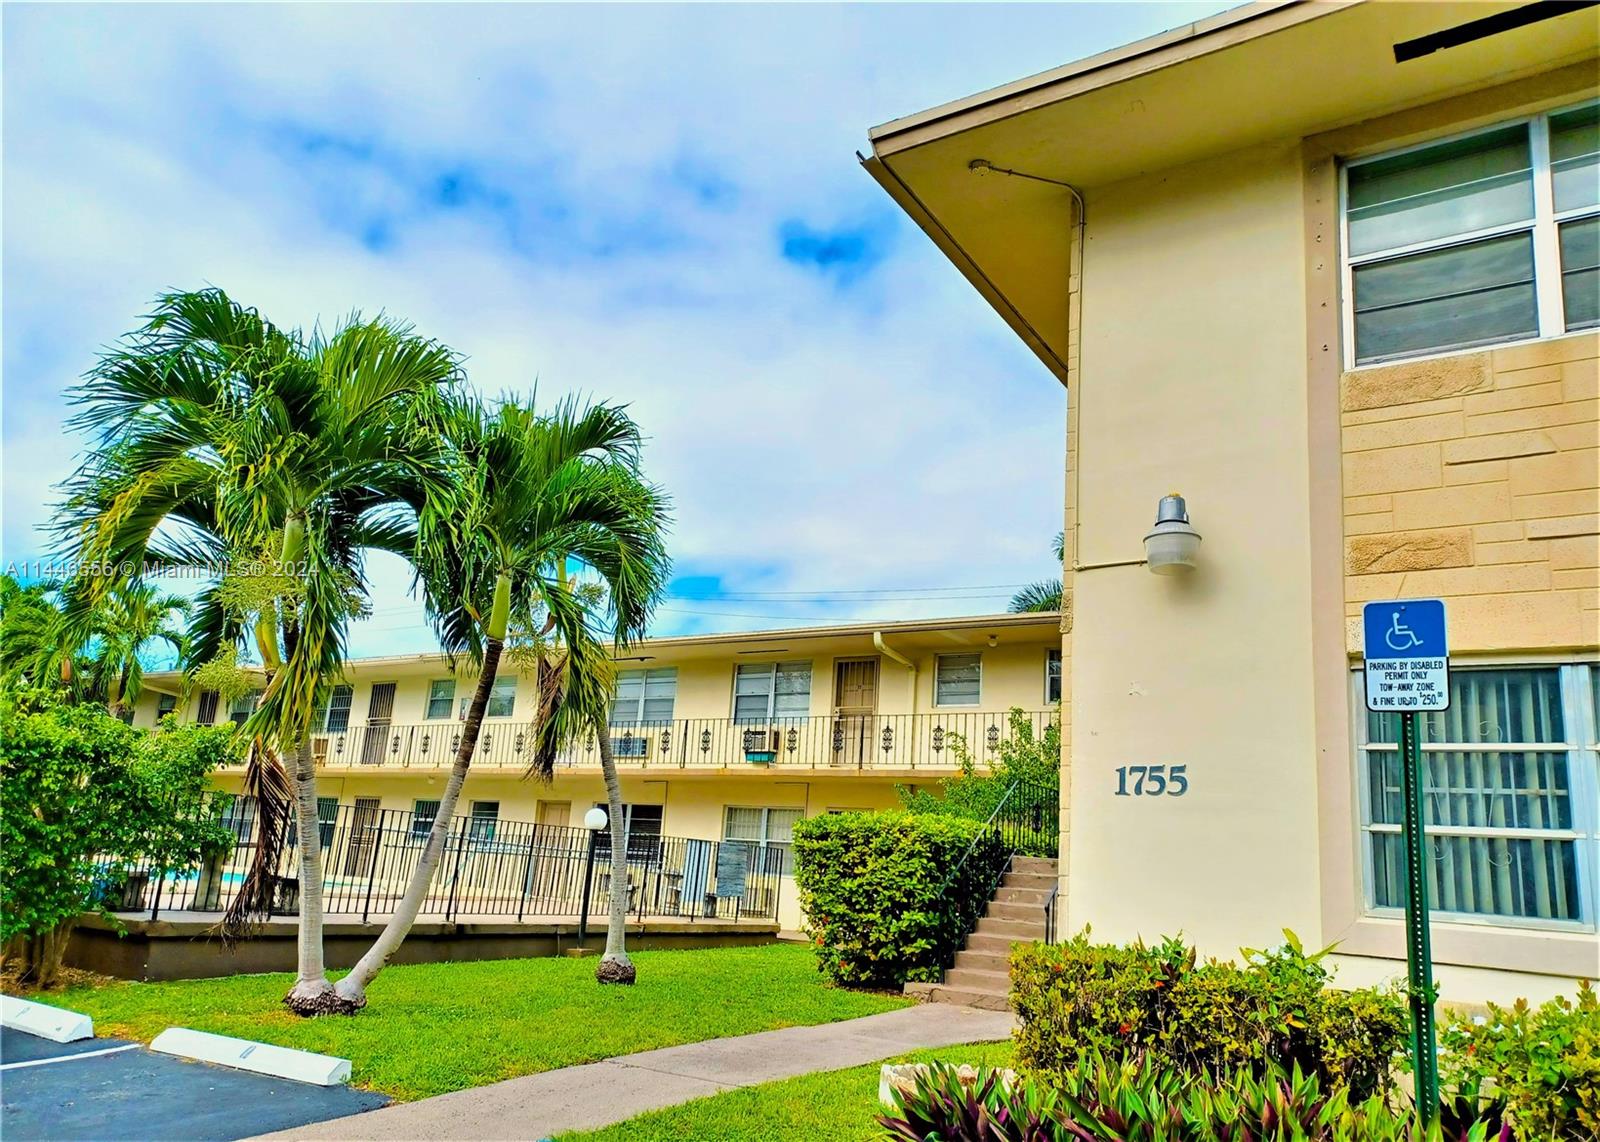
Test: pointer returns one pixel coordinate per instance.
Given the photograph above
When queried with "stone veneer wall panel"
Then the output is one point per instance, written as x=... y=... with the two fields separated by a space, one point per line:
x=1476 y=477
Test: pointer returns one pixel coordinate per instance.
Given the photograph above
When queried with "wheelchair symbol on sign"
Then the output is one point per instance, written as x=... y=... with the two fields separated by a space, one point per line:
x=1400 y=637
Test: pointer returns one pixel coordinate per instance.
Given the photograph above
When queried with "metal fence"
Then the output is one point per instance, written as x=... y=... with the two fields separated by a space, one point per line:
x=827 y=742
x=491 y=869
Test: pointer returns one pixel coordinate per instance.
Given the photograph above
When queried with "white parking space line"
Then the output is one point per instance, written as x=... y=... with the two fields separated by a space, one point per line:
x=68 y=1058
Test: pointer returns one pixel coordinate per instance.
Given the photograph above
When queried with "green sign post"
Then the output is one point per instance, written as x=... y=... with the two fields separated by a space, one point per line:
x=1419 y=951
x=1408 y=672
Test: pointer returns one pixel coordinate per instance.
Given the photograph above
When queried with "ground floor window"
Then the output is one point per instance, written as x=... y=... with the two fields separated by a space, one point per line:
x=1510 y=777
x=423 y=814
x=485 y=816
x=641 y=825
x=768 y=832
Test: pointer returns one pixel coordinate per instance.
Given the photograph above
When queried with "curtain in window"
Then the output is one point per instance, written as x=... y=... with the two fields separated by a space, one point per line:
x=1484 y=803
x=441 y=696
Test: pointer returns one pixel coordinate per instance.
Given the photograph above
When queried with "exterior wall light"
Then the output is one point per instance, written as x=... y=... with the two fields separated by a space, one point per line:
x=595 y=819
x=1171 y=545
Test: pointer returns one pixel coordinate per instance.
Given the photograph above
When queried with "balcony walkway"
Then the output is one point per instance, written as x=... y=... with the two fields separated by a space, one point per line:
x=940 y=740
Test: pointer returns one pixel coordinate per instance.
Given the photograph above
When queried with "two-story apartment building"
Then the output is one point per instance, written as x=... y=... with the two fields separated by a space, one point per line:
x=1332 y=270
x=729 y=737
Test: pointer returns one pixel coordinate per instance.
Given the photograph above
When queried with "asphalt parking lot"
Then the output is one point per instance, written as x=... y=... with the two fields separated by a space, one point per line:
x=112 y=1089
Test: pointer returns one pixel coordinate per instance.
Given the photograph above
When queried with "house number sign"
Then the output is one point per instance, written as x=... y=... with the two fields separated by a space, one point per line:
x=1152 y=780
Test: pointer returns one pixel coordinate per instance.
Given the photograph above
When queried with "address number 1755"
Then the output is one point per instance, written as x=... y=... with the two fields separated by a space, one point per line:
x=1151 y=780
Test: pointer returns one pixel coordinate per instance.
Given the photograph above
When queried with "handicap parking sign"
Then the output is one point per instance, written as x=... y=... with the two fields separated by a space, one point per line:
x=1408 y=656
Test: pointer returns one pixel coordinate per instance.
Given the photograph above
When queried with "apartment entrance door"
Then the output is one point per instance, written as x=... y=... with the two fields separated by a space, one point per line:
x=855 y=708
x=380 y=712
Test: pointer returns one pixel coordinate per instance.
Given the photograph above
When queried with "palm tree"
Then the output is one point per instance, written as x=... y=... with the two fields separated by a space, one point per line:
x=530 y=493
x=1044 y=595
x=219 y=435
x=131 y=617
x=32 y=650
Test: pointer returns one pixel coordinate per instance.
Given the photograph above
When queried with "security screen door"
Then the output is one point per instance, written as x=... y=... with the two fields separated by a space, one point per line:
x=380 y=711
x=855 y=702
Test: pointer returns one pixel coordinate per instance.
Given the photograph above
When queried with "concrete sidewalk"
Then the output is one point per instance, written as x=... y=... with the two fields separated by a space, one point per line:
x=598 y=1094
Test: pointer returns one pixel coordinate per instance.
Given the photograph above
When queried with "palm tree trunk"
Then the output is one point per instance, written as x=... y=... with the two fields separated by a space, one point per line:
x=353 y=987
x=615 y=966
x=312 y=993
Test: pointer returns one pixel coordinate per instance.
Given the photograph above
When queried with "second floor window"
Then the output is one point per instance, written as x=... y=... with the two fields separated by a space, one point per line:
x=1487 y=237
x=644 y=696
x=1052 y=676
x=502 y=698
x=765 y=691
x=958 y=680
x=441 y=697
x=332 y=715
x=240 y=708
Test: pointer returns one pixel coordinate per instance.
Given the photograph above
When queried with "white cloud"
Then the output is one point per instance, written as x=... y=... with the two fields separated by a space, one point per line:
x=633 y=169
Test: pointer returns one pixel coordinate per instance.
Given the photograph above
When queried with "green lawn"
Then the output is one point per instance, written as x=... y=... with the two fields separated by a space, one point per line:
x=433 y=1028
x=837 y=1105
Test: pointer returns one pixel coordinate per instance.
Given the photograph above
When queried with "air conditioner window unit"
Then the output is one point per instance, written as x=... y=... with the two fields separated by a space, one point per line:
x=761 y=746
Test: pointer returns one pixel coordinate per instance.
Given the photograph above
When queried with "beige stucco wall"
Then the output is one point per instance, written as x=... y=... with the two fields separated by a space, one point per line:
x=1210 y=366
x=1476 y=478
x=1193 y=359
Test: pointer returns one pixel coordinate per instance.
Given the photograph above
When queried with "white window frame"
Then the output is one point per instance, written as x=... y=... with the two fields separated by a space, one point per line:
x=449 y=699
x=619 y=717
x=1582 y=747
x=938 y=663
x=772 y=716
x=501 y=684
x=165 y=704
x=766 y=812
x=1060 y=661
x=324 y=712
x=1545 y=226
x=483 y=819
x=245 y=704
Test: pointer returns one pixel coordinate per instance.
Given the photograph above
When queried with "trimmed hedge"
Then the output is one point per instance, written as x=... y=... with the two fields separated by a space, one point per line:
x=869 y=884
x=1162 y=1006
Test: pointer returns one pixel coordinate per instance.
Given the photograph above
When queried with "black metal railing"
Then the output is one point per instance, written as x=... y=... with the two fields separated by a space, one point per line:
x=1026 y=822
x=938 y=740
x=490 y=869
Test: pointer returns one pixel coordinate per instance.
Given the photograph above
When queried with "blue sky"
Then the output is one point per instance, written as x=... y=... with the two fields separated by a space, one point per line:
x=654 y=204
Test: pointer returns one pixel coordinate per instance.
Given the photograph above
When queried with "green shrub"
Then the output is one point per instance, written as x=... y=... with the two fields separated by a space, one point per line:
x=1160 y=1005
x=1022 y=756
x=1131 y=1101
x=1543 y=1063
x=870 y=886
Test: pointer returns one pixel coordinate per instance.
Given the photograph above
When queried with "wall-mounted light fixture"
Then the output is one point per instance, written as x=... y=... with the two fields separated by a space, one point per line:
x=1172 y=544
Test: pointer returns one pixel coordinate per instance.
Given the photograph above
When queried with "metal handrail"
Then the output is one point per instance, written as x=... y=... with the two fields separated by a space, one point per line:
x=995 y=828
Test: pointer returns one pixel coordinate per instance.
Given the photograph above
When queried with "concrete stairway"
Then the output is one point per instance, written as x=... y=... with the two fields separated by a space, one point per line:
x=981 y=976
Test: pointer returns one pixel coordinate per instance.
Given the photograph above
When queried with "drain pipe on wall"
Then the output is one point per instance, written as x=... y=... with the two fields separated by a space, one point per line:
x=889 y=652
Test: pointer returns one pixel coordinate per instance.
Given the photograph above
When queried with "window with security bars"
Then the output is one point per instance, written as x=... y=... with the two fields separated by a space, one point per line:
x=644 y=697
x=423 y=814
x=1509 y=784
x=770 y=691
x=1486 y=237
x=766 y=831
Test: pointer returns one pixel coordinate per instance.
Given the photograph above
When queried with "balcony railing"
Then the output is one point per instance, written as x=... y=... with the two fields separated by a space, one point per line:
x=933 y=741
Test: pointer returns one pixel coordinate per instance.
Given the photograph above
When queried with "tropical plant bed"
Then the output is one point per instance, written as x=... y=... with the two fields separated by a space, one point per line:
x=841 y=1106
x=434 y=1028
